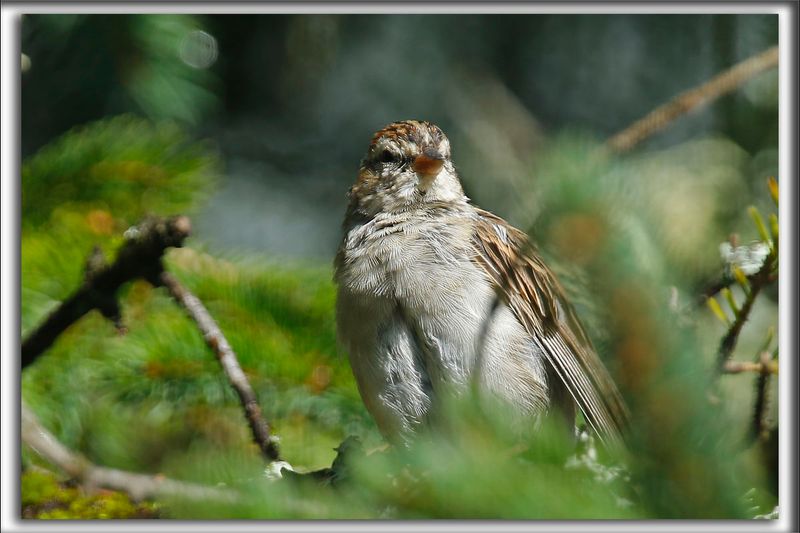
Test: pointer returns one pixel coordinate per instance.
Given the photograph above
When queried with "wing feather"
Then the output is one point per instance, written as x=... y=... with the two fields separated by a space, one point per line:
x=537 y=300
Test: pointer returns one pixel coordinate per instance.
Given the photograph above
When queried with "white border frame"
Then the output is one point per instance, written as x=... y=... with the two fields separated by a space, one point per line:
x=10 y=275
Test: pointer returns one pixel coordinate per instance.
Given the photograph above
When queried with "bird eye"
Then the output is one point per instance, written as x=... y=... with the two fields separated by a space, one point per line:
x=387 y=156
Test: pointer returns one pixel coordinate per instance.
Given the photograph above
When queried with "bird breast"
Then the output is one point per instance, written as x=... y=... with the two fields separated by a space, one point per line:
x=417 y=314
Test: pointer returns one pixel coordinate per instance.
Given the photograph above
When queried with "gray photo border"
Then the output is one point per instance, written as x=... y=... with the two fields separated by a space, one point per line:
x=10 y=265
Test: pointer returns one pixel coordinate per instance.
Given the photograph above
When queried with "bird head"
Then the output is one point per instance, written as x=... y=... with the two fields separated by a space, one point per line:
x=407 y=165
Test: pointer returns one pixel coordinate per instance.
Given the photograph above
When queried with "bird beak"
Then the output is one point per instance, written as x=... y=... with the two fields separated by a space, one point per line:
x=428 y=165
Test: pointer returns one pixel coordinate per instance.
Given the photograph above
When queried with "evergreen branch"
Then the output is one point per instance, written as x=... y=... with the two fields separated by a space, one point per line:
x=138 y=486
x=139 y=257
x=230 y=364
x=757 y=282
x=726 y=280
x=686 y=102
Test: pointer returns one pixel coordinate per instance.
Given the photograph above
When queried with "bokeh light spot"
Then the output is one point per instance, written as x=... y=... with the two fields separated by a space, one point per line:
x=198 y=49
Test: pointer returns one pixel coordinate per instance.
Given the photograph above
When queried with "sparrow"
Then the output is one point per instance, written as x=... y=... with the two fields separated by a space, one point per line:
x=435 y=294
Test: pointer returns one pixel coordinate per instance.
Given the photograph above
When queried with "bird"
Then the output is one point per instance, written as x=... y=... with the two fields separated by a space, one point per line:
x=435 y=294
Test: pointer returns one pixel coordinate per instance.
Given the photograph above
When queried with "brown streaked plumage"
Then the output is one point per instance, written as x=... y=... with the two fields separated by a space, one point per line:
x=419 y=273
x=535 y=296
x=406 y=129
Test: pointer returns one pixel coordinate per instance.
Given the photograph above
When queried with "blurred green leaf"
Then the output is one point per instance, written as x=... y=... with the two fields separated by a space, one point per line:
x=114 y=171
x=759 y=222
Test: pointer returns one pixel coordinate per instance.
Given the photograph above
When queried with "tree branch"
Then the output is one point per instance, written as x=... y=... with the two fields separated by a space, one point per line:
x=682 y=104
x=757 y=282
x=739 y=367
x=760 y=430
x=725 y=281
x=230 y=364
x=139 y=257
x=138 y=486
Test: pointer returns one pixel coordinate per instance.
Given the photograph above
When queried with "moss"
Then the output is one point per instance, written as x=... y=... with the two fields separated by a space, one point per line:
x=45 y=497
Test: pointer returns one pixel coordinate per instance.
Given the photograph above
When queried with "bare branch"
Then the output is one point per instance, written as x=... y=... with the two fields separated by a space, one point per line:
x=139 y=257
x=138 y=486
x=230 y=364
x=706 y=93
x=760 y=430
x=739 y=367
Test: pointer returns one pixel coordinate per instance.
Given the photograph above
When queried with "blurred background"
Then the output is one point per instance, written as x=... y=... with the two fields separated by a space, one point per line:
x=255 y=126
x=292 y=101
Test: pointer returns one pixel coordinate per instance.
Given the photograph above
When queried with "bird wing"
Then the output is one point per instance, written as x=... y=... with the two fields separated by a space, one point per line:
x=537 y=299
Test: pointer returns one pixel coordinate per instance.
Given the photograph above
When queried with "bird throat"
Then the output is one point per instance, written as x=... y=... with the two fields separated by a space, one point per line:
x=426 y=182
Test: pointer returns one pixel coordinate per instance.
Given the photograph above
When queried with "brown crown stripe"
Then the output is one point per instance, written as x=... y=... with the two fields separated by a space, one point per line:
x=408 y=128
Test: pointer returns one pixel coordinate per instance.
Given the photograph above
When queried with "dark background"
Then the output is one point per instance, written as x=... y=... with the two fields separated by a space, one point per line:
x=293 y=100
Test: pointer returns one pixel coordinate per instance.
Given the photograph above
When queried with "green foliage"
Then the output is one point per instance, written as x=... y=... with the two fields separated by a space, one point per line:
x=162 y=83
x=138 y=398
x=89 y=186
x=112 y=172
x=110 y=64
x=138 y=401
x=155 y=400
x=44 y=497
x=483 y=466
x=478 y=466
x=646 y=230
x=669 y=207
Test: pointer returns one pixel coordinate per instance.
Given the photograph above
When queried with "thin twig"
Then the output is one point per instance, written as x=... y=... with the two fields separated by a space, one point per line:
x=726 y=280
x=757 y=282
x=721 y=84
x=138 y=486
x=762 y=387
x=739 y=367
x=230 y=364
x=139 y=257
